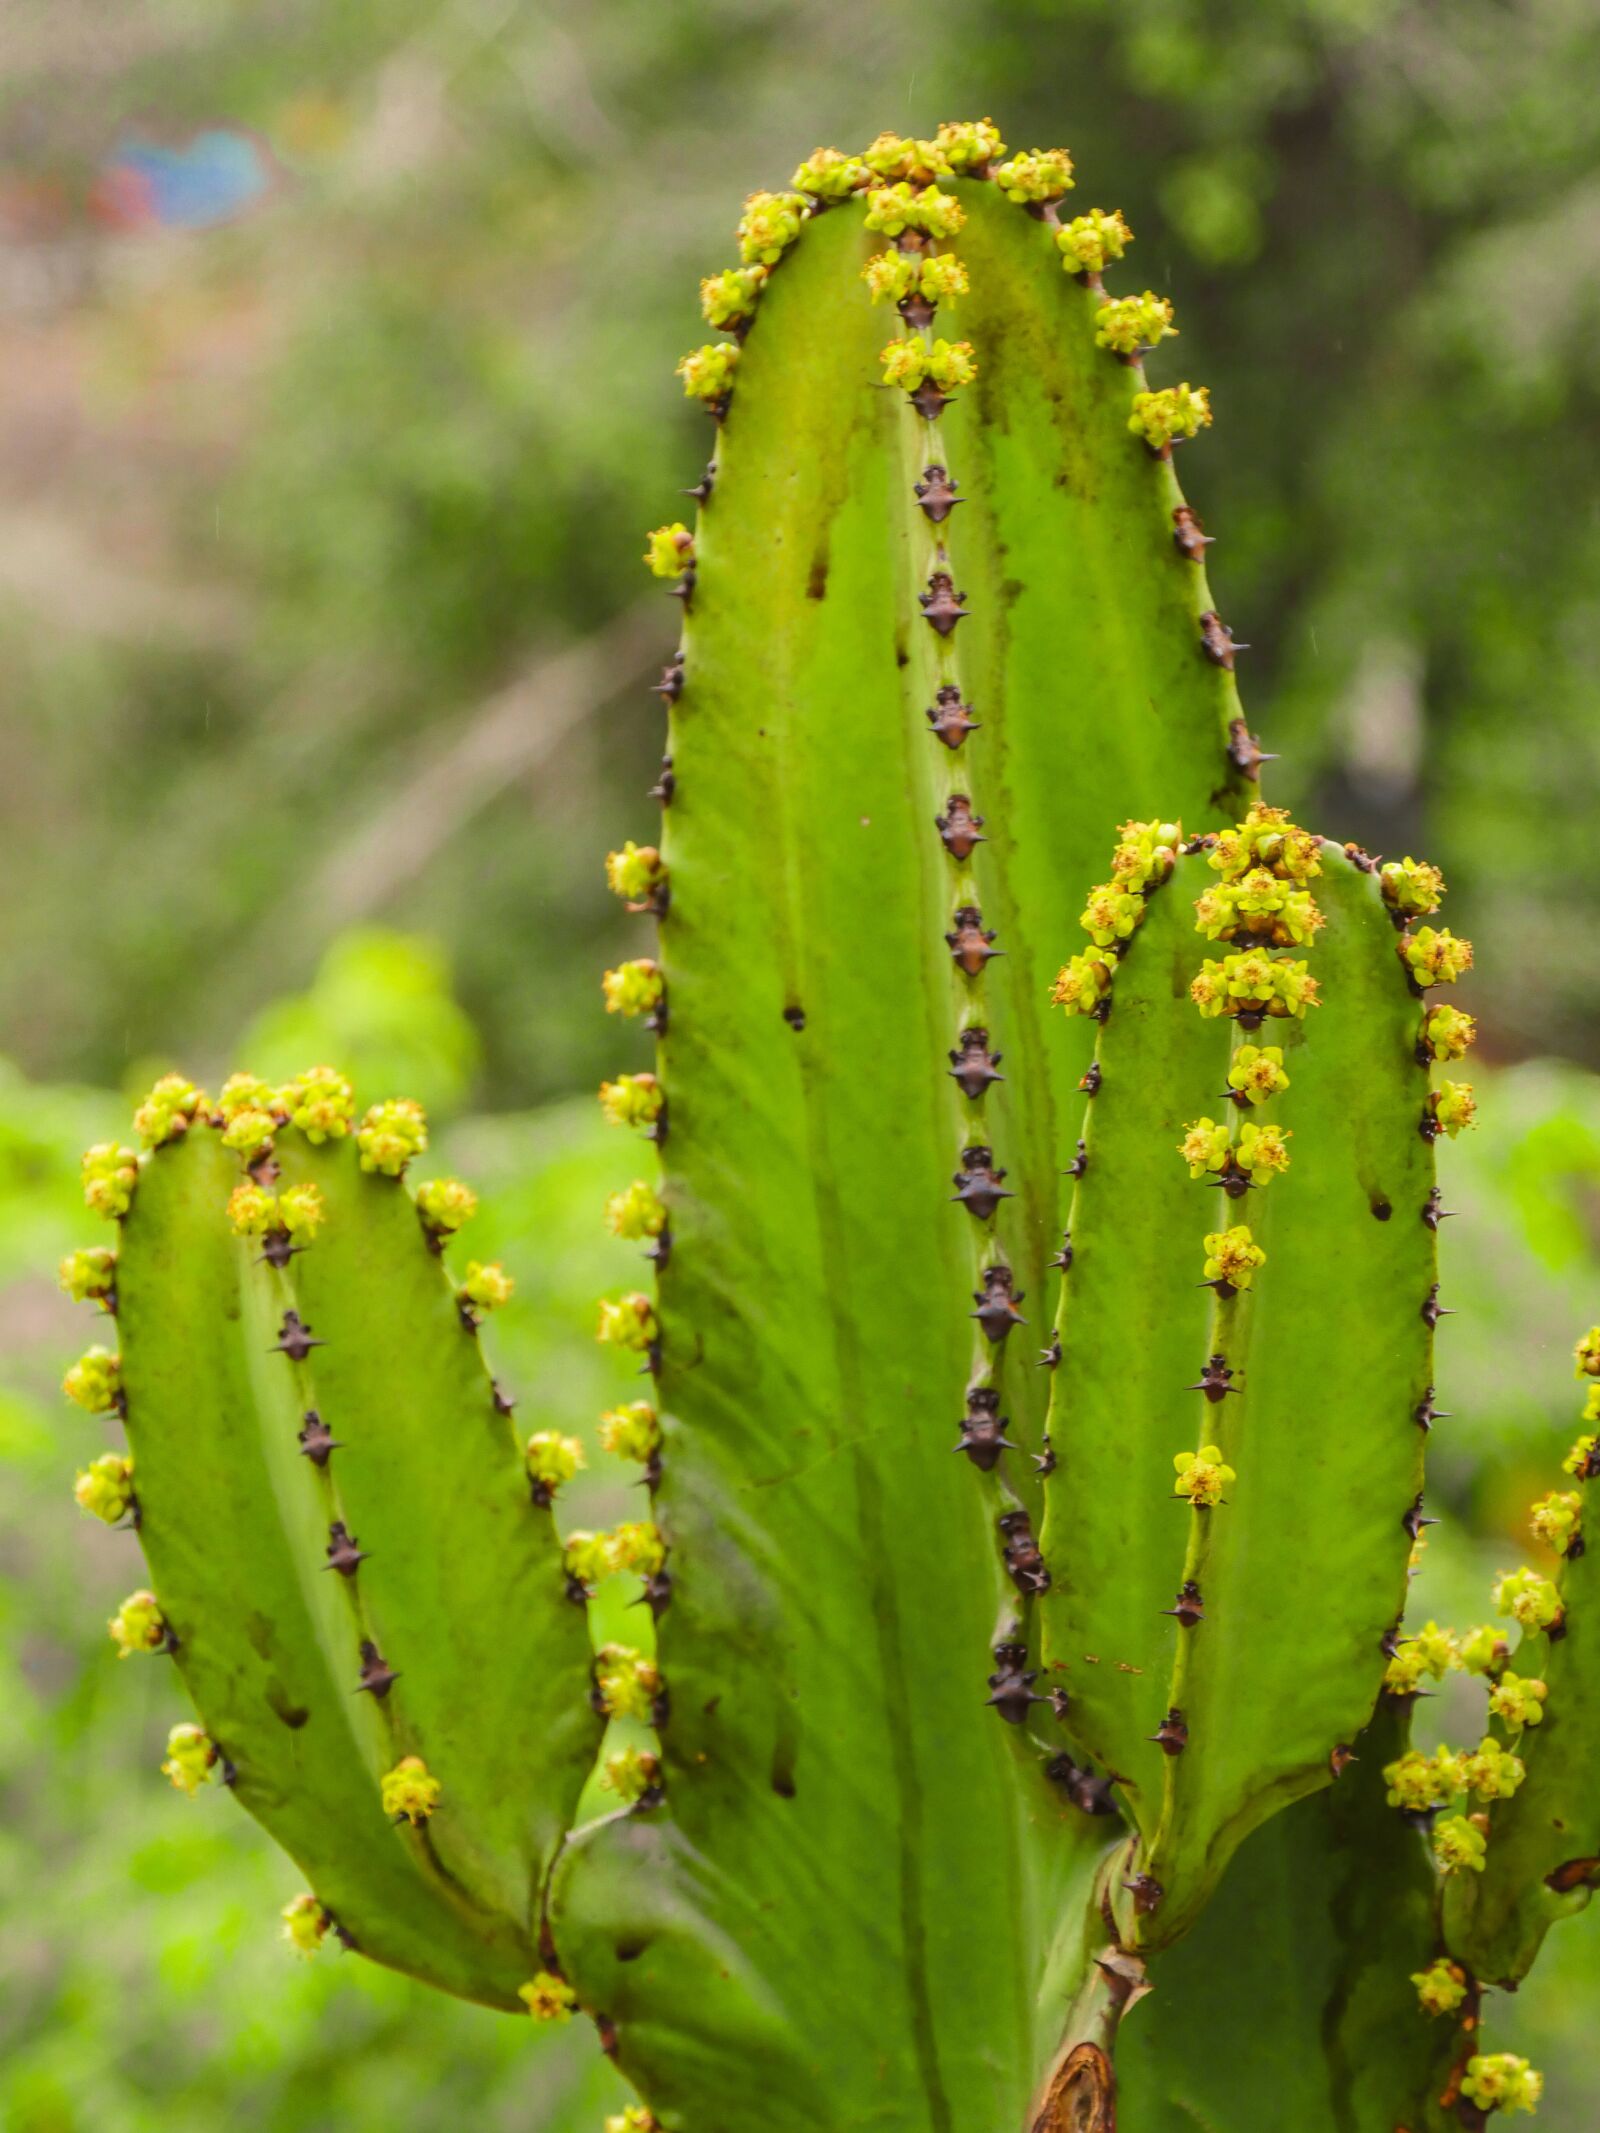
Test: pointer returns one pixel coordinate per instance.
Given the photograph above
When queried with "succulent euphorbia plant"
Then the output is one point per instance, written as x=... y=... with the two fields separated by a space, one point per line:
x=918 y=1772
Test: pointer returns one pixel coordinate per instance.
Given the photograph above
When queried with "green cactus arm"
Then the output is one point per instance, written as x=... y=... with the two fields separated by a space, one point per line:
x=464 y=1584
x=1291 y=2001
x=233 y=1531
x=1542 y=1861
x=1302 y=1567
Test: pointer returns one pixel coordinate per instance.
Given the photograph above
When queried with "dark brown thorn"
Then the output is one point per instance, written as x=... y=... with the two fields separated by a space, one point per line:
x=684 y=589
x=942 y=606
x=1011 y=1690
x=277 y=1248
x=977 y=1183
x=936 y=494
x=1433 y=1210
x=317 y=1441
x=1146 y=1892
x=377 y=1676
x=344 y=1552
x=1091 y=1795
x=655 y=1593
x=665 y=786
x=1189 y=536
x=1063 y=1258
x=1172 y=1735
x=929 y=402
x=983 y=1429
x=703 y=487
x=1414 y=1519
x=265 y=1170
x=1024 y=1564
x=1340 y=1757
x=1044 y=1461
x=1245 y=752
x=1049 y=1358
x=1425 y=1414
x=661 y=1250
x=959 y=828
x=1224 y=1288
x=670 y=686
x=997 y=1309
x=1188 y=1608
x=1217 y=641
x=295 y=1339
x=972 y=1065
x=970 y=944
x=950 y=718
x=1433 y=1310
x=1079 y=1163
x=1215 y=1381
x=916 y=310
x=1090 y=1082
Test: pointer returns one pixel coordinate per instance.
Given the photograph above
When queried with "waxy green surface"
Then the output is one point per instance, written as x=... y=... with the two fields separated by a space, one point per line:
x=1303 y=1567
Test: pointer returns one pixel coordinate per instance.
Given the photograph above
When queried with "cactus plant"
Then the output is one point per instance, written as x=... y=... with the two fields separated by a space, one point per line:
x=853 y=1783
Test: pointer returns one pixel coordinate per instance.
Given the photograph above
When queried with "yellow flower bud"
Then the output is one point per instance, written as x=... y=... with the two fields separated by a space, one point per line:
x=632 y=1431
x=90 y=1274
x=94 y=1382
x=391 y=1134
x=110 y=1174
x=138 y=1625
x=669 y=550
x=168 y=1111
x=1035 y=175
x=191 y=1758
x=409 y=1792
x=548 y=1998
x=1127 y=324
x=104 y=1488
x=305 y=1924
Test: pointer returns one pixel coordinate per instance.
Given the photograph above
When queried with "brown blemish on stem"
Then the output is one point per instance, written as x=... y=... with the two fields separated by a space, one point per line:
x=1083 y=2095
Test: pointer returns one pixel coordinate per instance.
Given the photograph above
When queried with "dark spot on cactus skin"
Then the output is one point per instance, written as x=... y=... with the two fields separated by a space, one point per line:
x=942 y=606
x=1044 y=1461
x=970 y=945
x=977 y=1184
x=1432 y=1309
x=292 y=1715
x=1079 y=1163
x=1189 y=536
x=1414 y=1519
x=1063 y=1258
x=344 y=1552
x=295 y=1339
x=1341 y=1757
x=936 y=494
x=1091 y=1795
x=629 y=1951
x=783 y=1771
x=1146 y=1892
x=817 y=577
x=972 y=1065
x=1381 y=1210
x=377 y=1677
x=701 y=491
x=983 y=1429
x=1011 y=1690
x=1189 y=1608
x=795 y=1015
x=605 y=2029
x=960 y=830
x=1576 y=1874
x=317 y=1441
x=1172 y=1735
x=1090 y=1082
x=1217 y=640
x=665 y=786
x=1215 y=1381
x=997 y=1309
x=1245 y=752
x=950 y=719
x=1425 y=1414
x=1024 y=1564
x=1433 y=1211
x=1049 y=1358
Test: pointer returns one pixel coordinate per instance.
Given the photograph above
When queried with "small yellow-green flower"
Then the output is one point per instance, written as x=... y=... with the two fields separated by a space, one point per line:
x=829 y=174
x=637 y=1545
x=1256 y=981
x=1442 y=1987
x=104 y=1488
x=627 y=1682
x=588 y=1557
x=168 y=1111
x=409 y=1792
x=632 y=1100
x=94 y=1382
x=548 y=1998
x=89 y=1275
x=707 y=372
x=1556 y=1517
x=1586 y=1354
x=1491 y=1772
x=896 y=208
x=937 y=277
x=628 y=1322
x=631 y=1773
x=634 y=988
x=1266 y=838
x=1411 y=887
x=1036 y=174
x=1125 y=324
x=638 y=1211
x=486 y=1286
x=967 y=144
x=1439 y=1649
x=1202 y=1476
x=1406 y=1671
x=320 y=1103
x=552 y=1459
x=1088 y=241
x=1518 y=1702
x=1081 y=984
x=1459 y=1845
x=1528 y=1598
x=730 y=298
x=634 y=2119
x=248 y=1132
x=1452 y=1107
x=138 y=1625
x=1447 y=1033
x=1483 y=1650
x=1435 y=957
x=191 y=1758
x=305 y=1924
x=1205 y=1146
x=1418 y=1782
x=893 y=156
x=446 y=1205
x=1111 y=913
x=1256 y=1072
x=252 y=1209
x=1145 y=853
x=636 y=872
x=911 y=362
x=669 y=550
x=1500 y=2081
x=1232 y=1256
x=109 y=1175
x=1173 y=413
x=1578 y=1459
x=1261 y=1151
x=769 y=225
x=391 y=1134
x=632 y=1431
